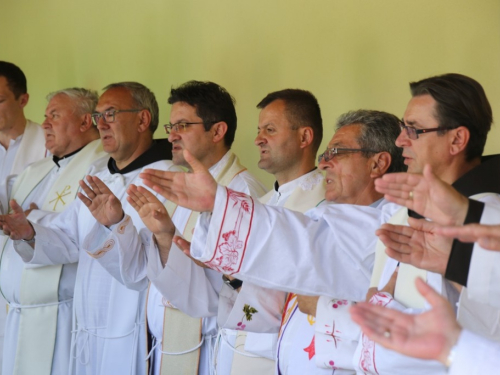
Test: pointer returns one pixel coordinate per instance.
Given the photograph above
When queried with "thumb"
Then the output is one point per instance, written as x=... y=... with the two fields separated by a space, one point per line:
x=428 y=293
x=33 y=206
x=16 y=208
x=183 y=244
x=194 y=163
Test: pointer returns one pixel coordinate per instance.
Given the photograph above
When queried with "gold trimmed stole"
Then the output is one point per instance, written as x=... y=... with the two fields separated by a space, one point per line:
x=40 y=286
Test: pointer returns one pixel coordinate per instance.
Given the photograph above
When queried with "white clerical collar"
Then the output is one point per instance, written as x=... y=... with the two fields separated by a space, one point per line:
x=217 y=167
x=307 y=182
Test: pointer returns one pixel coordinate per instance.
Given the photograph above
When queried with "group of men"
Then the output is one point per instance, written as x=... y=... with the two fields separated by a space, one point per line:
x=108 y=267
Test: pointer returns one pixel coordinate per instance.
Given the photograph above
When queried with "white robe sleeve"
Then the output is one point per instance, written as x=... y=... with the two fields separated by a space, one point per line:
x=475 y=355
x=56 y=244
x=483 y=283
x=320 y=253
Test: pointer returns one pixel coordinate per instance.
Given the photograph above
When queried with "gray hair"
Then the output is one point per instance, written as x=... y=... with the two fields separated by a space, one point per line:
x=379 y=132
x=144 y=99
x=85 y=100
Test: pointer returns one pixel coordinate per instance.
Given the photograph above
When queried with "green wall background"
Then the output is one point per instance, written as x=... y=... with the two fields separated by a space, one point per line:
x=351 y=54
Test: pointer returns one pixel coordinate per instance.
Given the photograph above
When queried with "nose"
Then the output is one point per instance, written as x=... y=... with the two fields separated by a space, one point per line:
x=46 y=123
x=259 y=140
x=402 y=139
x=324 y=165
x=101 y=124
x=173 y=136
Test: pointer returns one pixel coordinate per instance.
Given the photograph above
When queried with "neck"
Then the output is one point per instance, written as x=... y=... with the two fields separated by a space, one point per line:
x=457 y=170
x=122 y=162
x=13 y=131
x=214 y=157
x=294 y=172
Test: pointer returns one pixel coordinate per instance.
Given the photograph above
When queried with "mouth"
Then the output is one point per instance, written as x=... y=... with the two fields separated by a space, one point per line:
x=176 y=148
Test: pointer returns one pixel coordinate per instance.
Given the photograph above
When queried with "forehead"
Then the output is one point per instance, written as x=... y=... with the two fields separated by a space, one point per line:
x=115 y=98
x=4 y=87
x=182 y=111
x=274 y=112
x=421 y=111
x=346 y=136
x=60 y=102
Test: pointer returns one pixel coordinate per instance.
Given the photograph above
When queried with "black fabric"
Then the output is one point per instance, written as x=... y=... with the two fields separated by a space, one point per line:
x=56 y=159
x=485 y=178
x=161 y=149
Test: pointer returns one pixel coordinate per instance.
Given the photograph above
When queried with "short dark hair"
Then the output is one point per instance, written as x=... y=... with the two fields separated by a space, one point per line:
x=379 y=131
x=461 y=101
x=16 y=80
x=212 y=103
x=144 y=99
x=301 y=109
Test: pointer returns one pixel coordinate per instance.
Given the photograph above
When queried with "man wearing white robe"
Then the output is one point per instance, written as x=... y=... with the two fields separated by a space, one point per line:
x=38 y=327
x=445 y=125
x=21 y=143
x=202 y=120
x=289 y=135
x=108 y=333
x=249 y=230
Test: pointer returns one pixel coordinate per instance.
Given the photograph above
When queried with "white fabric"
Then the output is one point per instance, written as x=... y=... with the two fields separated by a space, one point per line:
x=483 y=283
x=475 y=355
x=10 y=281
x=24 y=150
x=109 y=332
x=181 y=283
x=333 y=239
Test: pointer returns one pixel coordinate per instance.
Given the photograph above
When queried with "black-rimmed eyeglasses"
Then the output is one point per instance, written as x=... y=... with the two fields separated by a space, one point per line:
x=413 y=133
x=331 y=152
x=109 y=116
x=180 y=127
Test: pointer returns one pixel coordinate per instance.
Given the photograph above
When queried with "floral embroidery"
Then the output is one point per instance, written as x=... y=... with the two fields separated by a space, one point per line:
x=249 y=311
x=333 y=333
x=108 y=245
x=338 y=302
x=121 y=228
x=331 y=364
x=232 y=241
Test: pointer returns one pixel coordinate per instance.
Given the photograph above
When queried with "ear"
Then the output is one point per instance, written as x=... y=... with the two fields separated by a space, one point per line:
x=145 y=121
x=86 y=123
x=218 y=130
x=459 y=139
x=306 y=136
x=23 y=99
x=380 y=164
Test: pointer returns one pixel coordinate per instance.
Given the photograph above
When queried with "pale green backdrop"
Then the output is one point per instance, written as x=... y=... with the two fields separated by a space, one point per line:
x=351 y=54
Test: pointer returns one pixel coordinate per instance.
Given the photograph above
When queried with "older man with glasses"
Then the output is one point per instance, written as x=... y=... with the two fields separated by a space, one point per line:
x=109 y=331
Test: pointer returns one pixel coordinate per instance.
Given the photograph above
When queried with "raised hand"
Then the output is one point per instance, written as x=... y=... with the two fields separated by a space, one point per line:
x=487 y=236
x=430 y=335
x=195 y=190
x=425 y=194
x=16 y=225
x=102 y=203
x=417 y=244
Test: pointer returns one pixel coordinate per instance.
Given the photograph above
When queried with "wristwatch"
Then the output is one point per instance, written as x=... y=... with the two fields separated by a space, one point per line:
x=233 y=284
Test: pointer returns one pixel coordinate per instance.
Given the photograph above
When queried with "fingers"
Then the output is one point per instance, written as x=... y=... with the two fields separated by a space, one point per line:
x=396 y=237
x=434 y=298
x=16 y=208
x=488 y=236
x=33 y=206
x=86 y=201
x=184 y=245
x=86 y=189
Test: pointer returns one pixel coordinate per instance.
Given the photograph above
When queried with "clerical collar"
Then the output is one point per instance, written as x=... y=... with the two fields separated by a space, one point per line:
x=58 y=159
x=161 y=149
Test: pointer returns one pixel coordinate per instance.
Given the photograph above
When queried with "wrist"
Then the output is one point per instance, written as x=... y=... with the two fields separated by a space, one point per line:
x=449 y=350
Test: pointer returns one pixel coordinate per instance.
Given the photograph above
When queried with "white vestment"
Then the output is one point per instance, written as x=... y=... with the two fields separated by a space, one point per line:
x=180 y=284
x=52 y=188
x=371 y=358
x=108 y=333
x=260 y=334
x=475 y=355
x=24 y=150
x=483 y=284
x=258 y=243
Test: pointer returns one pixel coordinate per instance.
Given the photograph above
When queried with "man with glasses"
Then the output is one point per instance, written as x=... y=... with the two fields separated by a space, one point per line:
x=39 y=320
x=445 y=126
x=202 y=120
x=109 y=332
x=328 y=251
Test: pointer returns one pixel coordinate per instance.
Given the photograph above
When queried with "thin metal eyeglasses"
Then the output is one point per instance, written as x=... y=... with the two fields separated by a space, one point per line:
x=109 y=116
x=331 y=152
x=181 y=126
x=413 y=133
